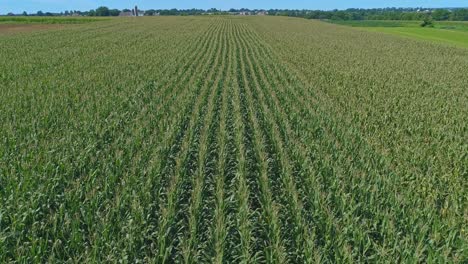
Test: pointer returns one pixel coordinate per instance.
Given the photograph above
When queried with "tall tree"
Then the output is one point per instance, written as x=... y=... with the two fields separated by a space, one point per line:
x=460 y=15
x=114 y=12
x=102 y=11
x=441 y=14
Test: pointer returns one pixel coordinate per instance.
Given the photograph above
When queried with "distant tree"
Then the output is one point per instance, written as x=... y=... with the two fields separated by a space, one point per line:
x=102 y=11
x=48 y=14
x=67 y=13
x=126 y=10
x=441 y=14
x=356 y=16
x=459 y=15
x=40 y=13
x=369 y=14
x=91 y=13
x=114 y=12
x=150 y=12
x=427 y=22
x=172 y=12
x=25 y=13
x=340 y=15
x=408 y=16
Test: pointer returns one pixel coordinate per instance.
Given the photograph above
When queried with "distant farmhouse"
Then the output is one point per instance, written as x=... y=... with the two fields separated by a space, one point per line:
x=251 y=13
x=133 y=13
x=126 y=13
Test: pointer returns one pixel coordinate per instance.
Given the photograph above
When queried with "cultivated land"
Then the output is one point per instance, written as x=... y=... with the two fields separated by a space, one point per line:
x=231 y=139
x=48 y=20
x=14 y=24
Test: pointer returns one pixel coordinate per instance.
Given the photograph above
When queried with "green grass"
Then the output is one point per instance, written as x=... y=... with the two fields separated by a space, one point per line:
x=375 y=23
x=455 y=25
x=48 y=20
x=446 y=32
x=445 y=36
x=231 y=140
x=452 y=25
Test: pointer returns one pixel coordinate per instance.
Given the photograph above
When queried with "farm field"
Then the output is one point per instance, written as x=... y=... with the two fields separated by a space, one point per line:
x=16 y=24
x=48 y=20
x=444 y=32
x=231 y=139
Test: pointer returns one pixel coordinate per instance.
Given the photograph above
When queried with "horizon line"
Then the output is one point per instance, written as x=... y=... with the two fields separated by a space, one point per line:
x=265 y=9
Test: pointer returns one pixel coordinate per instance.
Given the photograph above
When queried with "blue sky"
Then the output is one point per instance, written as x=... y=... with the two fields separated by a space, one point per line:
x=30 y=6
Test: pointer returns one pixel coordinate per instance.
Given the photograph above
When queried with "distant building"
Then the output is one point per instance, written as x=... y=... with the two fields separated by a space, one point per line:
x=126 y=14
x=262 y=13
x=133 y=12
x=423 y=11
x=137 y=12
x=244 y=13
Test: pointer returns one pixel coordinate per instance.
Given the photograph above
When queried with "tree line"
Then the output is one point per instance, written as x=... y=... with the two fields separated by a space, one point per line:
x=455 y=14
x=104 y=11
x=100 y=11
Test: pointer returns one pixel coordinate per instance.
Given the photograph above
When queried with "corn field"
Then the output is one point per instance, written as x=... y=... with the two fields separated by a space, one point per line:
x=231 y=140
